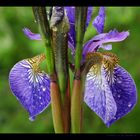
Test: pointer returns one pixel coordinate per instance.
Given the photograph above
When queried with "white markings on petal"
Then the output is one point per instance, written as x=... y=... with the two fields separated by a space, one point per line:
x=98 y=95
x=129 y=104
x=26 y=81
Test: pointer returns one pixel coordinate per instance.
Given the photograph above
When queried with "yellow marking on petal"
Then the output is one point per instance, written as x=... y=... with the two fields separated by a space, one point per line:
x=35 y=61
x=93 y=59
x=96 y=69
x=110 y=60
x=93 y=62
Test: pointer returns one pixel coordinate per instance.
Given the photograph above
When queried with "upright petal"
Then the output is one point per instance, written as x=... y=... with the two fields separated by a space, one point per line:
x=99 y=21
x=30 y=85
x=89 y=13
x=70 y=11
x=31 y=35
x=72 y=35
x=71 y=14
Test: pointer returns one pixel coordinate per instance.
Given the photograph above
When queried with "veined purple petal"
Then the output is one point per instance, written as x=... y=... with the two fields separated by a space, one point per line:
x=99 y=21
x=31 y=35
x=95 y=43
x=112 y=83
x=70 y=10
x=89 y=13
x=106 y=47
x=124 y=92
x=71 y=16
x=72 y=35
x=98 y=95
x=31 y=87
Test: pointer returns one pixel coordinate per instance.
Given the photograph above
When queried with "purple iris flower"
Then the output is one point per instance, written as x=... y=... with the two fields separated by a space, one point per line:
x=30 y=85
x=110 y=90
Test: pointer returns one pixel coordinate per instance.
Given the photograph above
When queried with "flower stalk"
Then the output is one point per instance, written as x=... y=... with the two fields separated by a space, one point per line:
x=76 y=104
x=56 y=106
x=66 y=110
x=76 y=99
x=44 y=28
x=80 y=24
x=60 y=28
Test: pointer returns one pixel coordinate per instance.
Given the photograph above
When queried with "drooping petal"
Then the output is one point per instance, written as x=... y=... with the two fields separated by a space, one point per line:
x=98 y=95
x=99 y=21
x=124 y=92
x=119 y=84
x=30 y=85
x=122 y=86
x=30 y=35
x=96 y=42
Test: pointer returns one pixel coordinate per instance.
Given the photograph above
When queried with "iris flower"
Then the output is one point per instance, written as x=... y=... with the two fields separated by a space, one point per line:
x=110 y=90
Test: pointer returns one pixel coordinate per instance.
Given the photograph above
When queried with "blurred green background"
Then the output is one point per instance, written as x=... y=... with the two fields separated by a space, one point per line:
x=15 y=46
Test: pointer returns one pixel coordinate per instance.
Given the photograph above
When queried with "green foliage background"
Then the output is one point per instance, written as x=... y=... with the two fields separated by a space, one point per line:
x=15 y=46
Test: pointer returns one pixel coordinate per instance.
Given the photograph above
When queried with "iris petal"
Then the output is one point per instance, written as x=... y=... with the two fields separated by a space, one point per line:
x=99 y=21
x=96 y=42
x=71 y=16
x=108 y=81
x=31 y=87
x=124 y=92
x=31 y=35
x=98 y=95
x=106 y=47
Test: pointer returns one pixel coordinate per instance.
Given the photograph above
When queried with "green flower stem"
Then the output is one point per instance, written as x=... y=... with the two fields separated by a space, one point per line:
x=56 y=106
x=66 y=110
x=60 y=47
x=76 y=105
x=41 y=18
x=80 y=23
x=60 y=52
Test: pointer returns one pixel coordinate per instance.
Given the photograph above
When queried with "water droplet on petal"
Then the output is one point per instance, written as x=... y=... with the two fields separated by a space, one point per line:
x=119 y=91
x=129 y=104
x=114 y=118
x=119 y=95
x=43 y=88
x=119 y=82
x=32 y=118
x=39 y=97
